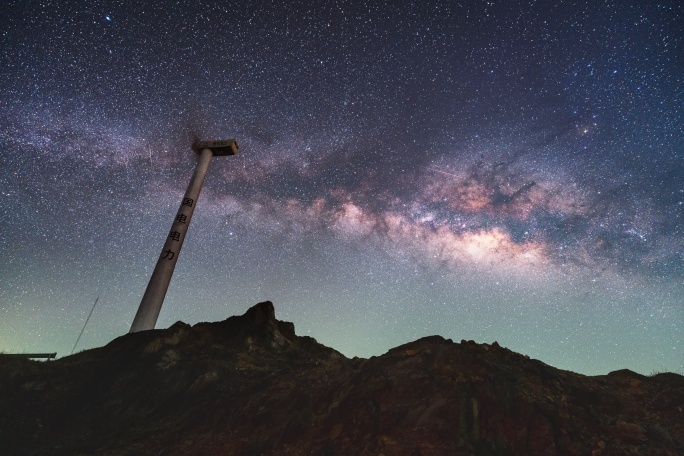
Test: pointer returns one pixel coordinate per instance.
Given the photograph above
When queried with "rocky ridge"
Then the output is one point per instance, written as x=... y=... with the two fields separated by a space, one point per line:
x=250 y=386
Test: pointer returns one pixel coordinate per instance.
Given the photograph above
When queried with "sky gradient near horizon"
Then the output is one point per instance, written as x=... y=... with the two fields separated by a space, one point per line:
x=509 y=171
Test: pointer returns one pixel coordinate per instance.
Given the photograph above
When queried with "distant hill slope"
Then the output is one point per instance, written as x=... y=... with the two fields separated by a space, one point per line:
x=250 y=386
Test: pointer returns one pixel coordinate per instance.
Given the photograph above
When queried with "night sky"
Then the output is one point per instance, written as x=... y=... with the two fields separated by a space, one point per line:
x=486 y=170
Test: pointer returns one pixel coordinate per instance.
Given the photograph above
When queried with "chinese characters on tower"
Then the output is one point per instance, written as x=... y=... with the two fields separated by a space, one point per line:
x=177 y=230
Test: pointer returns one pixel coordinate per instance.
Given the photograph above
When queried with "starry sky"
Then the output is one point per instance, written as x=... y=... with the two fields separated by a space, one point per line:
x=485 y=170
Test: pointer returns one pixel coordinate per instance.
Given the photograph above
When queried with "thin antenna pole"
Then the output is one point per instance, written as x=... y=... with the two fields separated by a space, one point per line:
x=84 y=325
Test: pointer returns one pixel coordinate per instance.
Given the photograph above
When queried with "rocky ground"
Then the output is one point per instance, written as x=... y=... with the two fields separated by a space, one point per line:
x=250 y=386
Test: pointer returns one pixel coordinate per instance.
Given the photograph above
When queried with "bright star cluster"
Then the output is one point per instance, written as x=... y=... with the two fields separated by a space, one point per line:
x=509 y=171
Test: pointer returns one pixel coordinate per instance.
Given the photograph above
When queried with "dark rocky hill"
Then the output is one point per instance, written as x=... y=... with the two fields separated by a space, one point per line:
x=250 y=386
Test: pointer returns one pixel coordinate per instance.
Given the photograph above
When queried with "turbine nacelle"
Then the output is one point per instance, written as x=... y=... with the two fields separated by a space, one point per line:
x=218 y=148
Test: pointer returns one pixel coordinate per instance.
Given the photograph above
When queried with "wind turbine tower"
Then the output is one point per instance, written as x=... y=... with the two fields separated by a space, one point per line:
x=152 y=300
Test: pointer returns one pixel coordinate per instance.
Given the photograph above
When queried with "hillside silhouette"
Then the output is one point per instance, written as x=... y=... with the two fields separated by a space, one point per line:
x=250 y=386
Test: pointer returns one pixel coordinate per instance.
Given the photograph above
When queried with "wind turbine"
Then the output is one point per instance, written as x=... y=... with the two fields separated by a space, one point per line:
x=152 y=300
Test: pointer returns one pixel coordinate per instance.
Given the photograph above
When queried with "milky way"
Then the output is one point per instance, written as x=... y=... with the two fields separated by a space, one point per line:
x=478 y=170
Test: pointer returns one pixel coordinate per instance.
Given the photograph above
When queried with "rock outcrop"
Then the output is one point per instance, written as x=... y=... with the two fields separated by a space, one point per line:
x=250 y=386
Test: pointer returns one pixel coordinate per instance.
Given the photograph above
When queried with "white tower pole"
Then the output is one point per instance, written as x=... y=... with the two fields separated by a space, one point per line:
x=152 y=300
